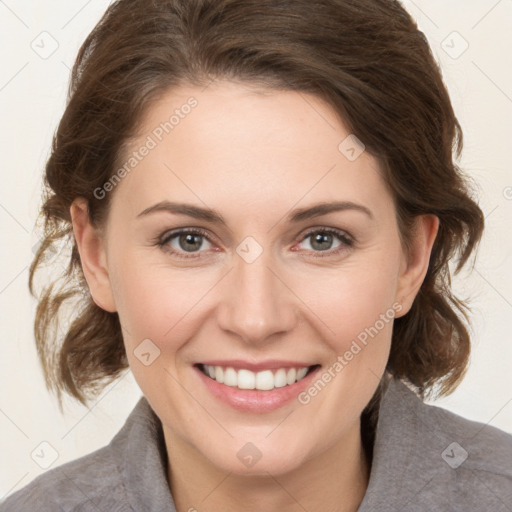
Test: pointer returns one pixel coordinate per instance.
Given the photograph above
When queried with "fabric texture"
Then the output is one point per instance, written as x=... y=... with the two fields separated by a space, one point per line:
x=425 y=458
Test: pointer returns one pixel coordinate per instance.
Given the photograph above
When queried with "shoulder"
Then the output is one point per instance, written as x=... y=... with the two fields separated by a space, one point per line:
x=478 y=454
x=99 y=480
x=127 y=475
x=472 y=445
x=90 y=483
x=108 y=479
x=433 y=457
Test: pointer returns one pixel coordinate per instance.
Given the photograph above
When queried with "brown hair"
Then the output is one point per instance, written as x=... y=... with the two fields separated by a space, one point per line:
x=365 y=58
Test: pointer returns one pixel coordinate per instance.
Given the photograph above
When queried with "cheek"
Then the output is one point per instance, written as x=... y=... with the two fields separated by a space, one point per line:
x=156 y=302
x=165 y=304
x=351 y=299
x=357 y=310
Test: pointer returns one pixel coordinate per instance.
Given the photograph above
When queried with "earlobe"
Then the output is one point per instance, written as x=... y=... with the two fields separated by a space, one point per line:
x=91 y=248
x=417 y=261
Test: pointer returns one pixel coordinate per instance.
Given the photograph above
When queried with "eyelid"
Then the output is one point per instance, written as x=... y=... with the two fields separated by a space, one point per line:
x=346 y=238
x=163 y=240
x=347 y=241
x=167 y=235
x=324 y=229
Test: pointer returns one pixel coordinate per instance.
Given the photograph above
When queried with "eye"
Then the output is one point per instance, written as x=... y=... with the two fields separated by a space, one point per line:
x=191 y=242
x=323 y=240
x=184 y=241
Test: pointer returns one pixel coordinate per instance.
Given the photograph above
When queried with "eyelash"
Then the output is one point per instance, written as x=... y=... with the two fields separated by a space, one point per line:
x=347 y=241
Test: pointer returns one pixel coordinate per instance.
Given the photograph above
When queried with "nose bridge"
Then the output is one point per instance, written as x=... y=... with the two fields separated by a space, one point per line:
x=258 y=304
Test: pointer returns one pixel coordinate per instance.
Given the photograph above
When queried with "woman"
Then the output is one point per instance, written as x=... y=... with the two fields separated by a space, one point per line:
x=261 y=202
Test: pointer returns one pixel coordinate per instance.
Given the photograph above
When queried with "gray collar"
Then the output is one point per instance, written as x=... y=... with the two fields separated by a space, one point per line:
x=413 y=456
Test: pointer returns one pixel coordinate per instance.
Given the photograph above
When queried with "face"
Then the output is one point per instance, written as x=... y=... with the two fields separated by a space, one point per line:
x=220 y=263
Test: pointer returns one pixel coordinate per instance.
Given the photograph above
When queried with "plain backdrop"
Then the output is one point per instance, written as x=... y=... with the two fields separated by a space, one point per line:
x=472 y=41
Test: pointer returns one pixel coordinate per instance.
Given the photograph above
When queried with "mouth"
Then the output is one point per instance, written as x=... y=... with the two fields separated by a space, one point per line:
x=264 y=380
x=255 y=388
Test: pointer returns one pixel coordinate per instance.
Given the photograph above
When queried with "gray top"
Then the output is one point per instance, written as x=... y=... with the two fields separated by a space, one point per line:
x=425 y=458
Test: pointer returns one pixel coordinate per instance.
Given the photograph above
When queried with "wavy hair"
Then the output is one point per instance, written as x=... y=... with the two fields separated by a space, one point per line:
x=366 y=58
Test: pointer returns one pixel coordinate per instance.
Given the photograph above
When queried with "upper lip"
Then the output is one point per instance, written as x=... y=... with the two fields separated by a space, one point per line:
x=271 y=364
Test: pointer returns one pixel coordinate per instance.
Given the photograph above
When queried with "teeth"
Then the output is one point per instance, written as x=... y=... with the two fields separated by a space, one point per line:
x=280 y=378
x=265 y=380
x=246 y=379
x=291 y=376
x=301 y=373
x=219 y=374
x=230 y=378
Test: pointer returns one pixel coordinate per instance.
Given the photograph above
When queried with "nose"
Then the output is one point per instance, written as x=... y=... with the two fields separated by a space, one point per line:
x=256 y=302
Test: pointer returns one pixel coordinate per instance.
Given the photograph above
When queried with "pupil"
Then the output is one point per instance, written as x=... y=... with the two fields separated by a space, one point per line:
x=319 y=241
x=189 y=238
x=321 y=238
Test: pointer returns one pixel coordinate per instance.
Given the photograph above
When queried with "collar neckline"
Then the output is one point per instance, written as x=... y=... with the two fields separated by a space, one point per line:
x=399 y=427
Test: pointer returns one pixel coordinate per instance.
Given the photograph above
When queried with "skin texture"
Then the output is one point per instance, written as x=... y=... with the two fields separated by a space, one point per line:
x=253 y=156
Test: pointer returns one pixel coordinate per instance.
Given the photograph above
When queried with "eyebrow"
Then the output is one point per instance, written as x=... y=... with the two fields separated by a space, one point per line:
x=297 y=215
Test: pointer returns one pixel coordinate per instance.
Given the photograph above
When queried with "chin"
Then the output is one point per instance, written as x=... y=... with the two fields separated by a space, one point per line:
x=251 y=456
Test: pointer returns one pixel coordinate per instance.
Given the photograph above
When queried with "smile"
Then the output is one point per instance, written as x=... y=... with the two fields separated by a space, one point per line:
x=255 y=388
x=265 y=380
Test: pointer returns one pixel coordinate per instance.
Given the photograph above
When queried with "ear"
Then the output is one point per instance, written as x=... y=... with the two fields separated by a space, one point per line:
x=91 y=247
x=415 y=263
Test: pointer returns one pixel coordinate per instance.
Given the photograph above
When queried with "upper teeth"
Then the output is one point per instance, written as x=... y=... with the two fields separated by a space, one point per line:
x=246 y=379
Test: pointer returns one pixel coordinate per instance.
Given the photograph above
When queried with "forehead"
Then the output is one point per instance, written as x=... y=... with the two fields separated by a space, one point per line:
x=239 y=145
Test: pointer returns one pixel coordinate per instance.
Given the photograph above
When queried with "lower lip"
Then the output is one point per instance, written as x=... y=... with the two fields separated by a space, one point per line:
x=255 y=400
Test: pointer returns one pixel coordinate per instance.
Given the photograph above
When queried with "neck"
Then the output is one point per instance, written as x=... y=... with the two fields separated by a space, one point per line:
x=333 y=480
